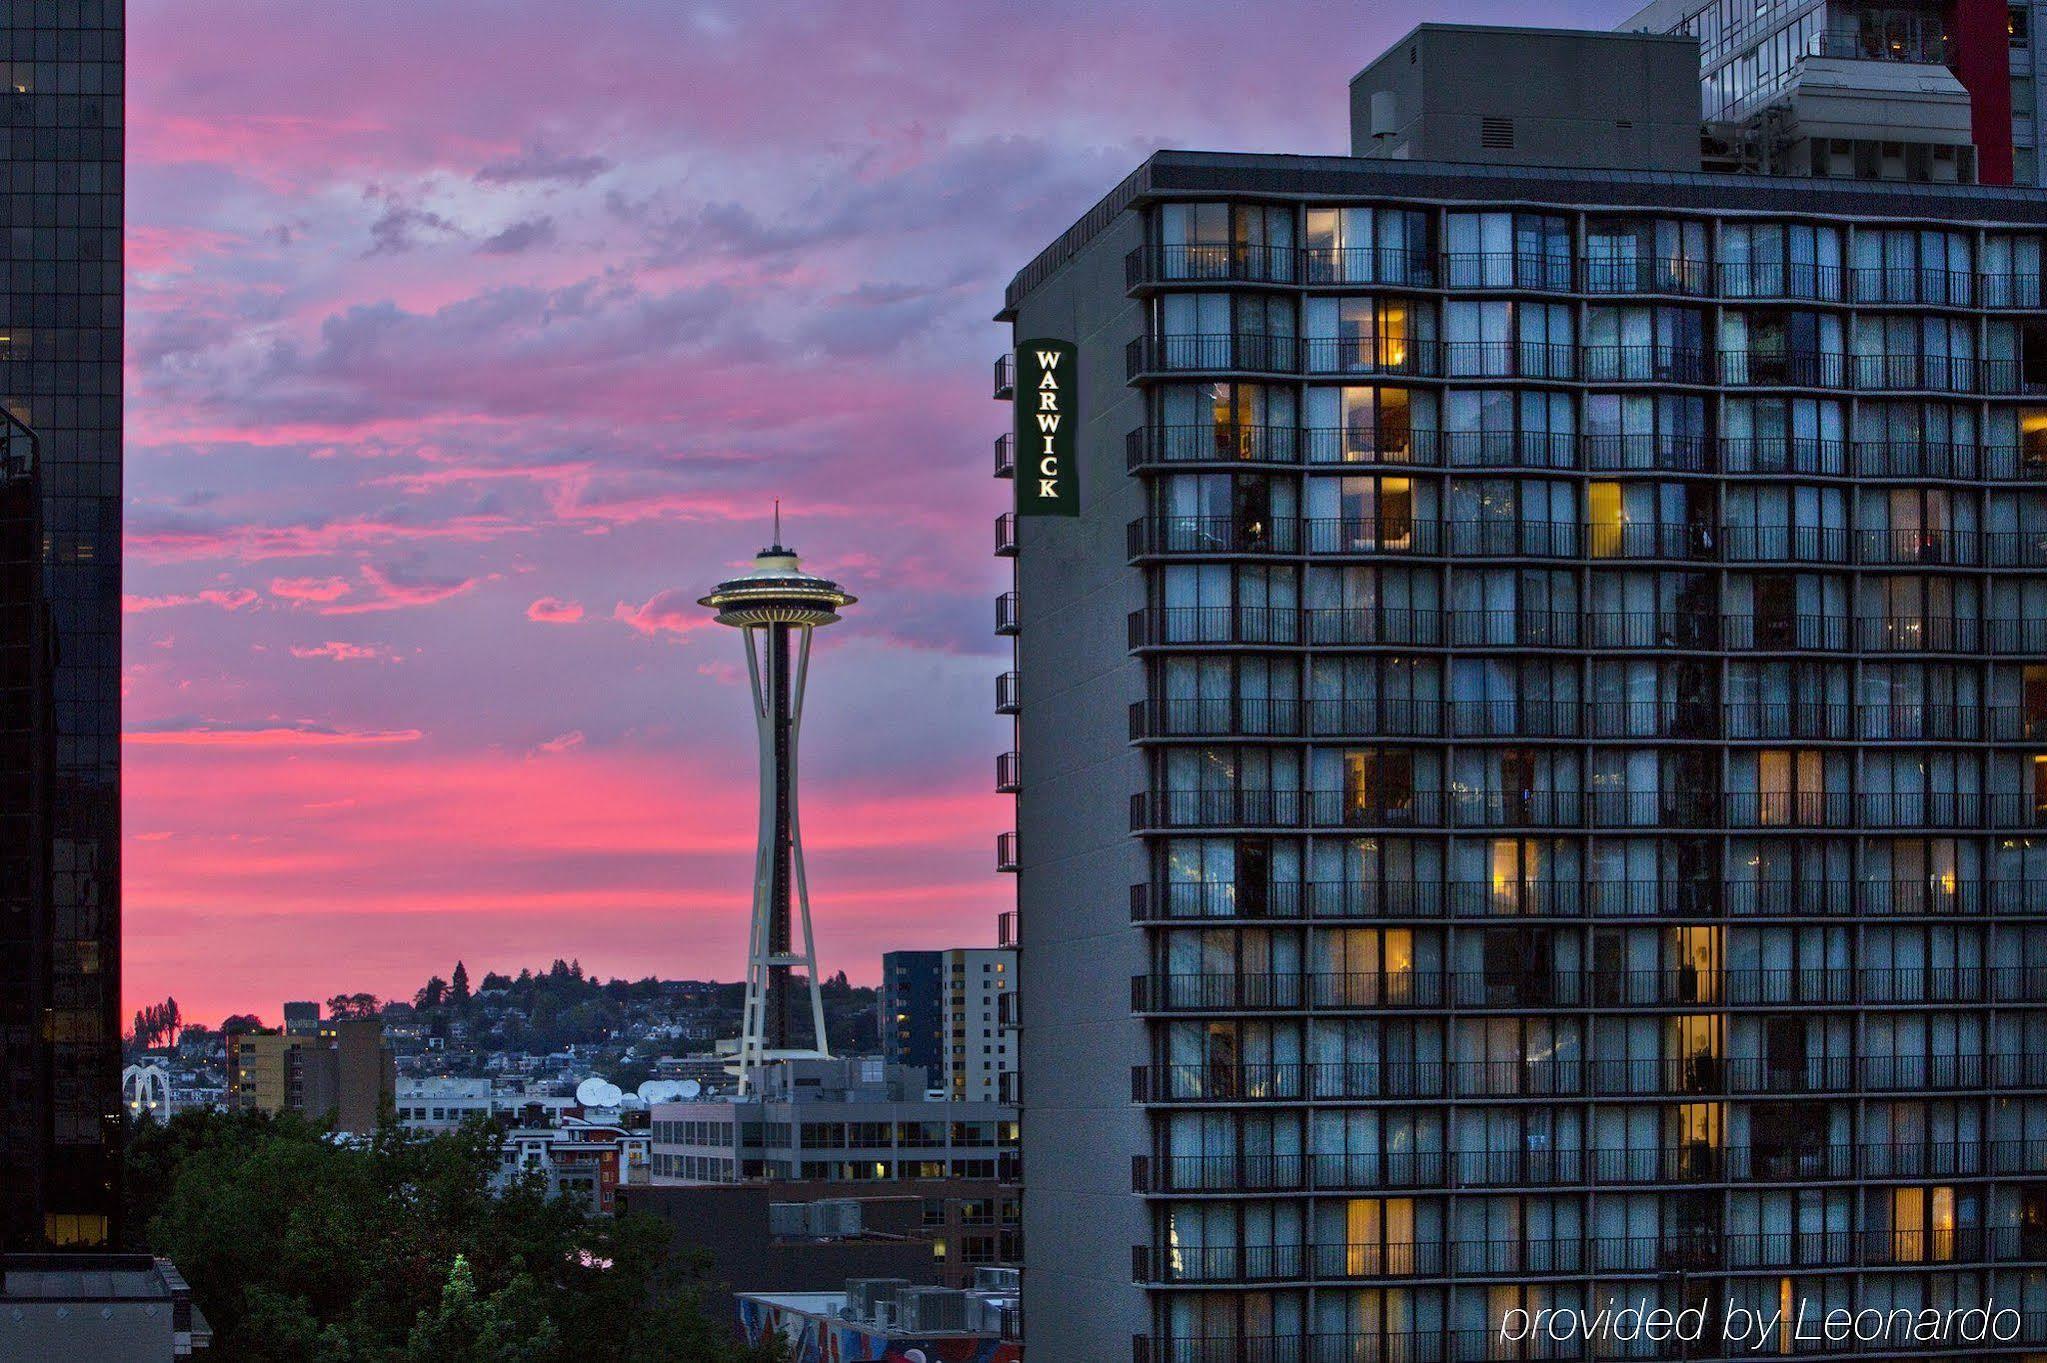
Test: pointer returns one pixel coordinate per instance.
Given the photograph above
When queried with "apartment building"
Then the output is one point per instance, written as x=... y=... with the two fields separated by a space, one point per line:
x=943 y=1011
x=1531 y=692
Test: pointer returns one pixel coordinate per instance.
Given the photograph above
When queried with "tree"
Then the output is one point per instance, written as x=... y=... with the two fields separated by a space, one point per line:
x=433 y=994
x=400 y=1250
x=156 y=1023
x=458 y=986
x=346 y=1007
x=239 y=1023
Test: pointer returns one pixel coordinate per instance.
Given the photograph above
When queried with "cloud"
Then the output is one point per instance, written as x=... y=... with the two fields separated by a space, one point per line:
x=563 y=742
x=551 y=610
x=537 y=163
x=320 y=589
x=227 y=599
x=340 y=652
x=393 y=590
x=403 y=224
x=670 y=612
x=522 y=235
x=203 y=734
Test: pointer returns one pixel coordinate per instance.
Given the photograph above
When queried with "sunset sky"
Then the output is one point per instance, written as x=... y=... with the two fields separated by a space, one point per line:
x=468 y=341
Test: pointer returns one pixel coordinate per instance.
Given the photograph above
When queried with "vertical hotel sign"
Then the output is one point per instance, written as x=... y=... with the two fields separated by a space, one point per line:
x=1047 y=474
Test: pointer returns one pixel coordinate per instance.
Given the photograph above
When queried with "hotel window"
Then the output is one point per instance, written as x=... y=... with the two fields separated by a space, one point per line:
x=1226 y=241
x=1371 y=425
x=1363 y=335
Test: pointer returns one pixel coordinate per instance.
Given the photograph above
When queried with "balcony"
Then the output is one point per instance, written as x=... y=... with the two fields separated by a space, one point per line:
x=1005 y=535
x=1008 y=1009
x=1779 y=279
x=1784 y=369
x=1005 y=852
x=1782 y=454
x=1919 y=634
x=1005 y=455
x=1515 y=718
x=1220 y=262
x=1611 y=274
x=1533 y=271
x=1515 y=629
x=1157 y=626
x=1149 y=446
x=1913 y=284
x=1368 y=626
x=1215 y=718
x=1223 y=353
x=1005 y=377
x=1390 y=356
x=1167 y=534
x=1375 y=717
x=1647 y=364
x=1008 y=693
x=1008 y=773
x=1395 y=265
x=1008 y=614
x=1647 y=453
x=1826 y=544
x=1789 y=719
x=1005 y=929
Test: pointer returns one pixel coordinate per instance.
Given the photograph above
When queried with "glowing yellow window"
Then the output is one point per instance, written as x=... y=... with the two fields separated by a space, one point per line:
x=1603 y=518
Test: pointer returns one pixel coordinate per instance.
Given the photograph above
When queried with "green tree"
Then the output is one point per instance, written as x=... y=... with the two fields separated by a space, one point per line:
x=398 y=1250
x=458 y=986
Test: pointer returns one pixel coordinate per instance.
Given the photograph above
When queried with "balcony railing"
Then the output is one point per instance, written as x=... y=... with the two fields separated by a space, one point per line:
x=1005 y=455
x=1203 y=261
x=1008 y=773
x=1008 y=693
x=1005 y=377
x=1536 y=988
x=1008 y=613
x=1005 y=535
x=1246 y=352
x=1005 y=852
x=1640 y=899
x=1696 y=1076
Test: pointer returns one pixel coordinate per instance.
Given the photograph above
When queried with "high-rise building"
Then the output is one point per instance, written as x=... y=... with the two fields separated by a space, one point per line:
x=60 y=374
x=1896 y=89
x=1532 y=690
x=943 y=1011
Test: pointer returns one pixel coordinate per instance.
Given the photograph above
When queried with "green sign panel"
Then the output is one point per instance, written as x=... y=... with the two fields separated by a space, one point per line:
x=1047 y=390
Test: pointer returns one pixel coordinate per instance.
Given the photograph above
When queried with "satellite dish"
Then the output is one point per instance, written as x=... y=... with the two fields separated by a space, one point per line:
x=660 y=1091
x=688 y=1089
x=597 y=1091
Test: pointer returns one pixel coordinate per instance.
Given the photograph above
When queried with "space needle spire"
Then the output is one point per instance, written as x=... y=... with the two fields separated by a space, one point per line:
x=777 y=606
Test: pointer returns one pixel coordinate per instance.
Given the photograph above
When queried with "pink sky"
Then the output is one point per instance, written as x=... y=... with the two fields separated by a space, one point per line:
x=468 y=343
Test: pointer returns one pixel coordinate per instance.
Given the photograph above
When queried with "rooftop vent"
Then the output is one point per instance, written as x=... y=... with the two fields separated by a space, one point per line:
x=1496 y=134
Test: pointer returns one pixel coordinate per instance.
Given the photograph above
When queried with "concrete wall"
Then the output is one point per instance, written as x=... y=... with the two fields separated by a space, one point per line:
x=1615 y=101
x=1078 y=947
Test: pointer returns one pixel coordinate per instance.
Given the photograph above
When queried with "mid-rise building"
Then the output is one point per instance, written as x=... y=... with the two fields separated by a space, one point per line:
x=1532 y=769
x=60 y=375
x=942 y=1011
x=585 y=1161
x=345 y=1074
x=849 y=1121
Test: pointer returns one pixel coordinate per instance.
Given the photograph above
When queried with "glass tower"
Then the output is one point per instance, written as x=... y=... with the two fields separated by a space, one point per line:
x=61 y=83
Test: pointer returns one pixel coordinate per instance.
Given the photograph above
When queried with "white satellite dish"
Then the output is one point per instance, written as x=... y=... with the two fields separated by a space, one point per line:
x=660 y=1091
x=688 y=1089
x=597 y=1091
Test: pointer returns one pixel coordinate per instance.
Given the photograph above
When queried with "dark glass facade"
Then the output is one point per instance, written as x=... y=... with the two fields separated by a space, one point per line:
x=1585 y=762
x=61 y=140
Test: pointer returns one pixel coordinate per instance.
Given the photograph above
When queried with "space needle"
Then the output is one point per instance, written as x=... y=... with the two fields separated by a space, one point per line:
x=778 y=605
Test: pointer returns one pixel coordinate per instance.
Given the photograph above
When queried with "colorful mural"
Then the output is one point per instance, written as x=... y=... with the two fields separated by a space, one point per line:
x=821 y=1340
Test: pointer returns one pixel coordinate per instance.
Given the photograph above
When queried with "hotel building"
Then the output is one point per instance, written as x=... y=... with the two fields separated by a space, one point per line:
x=1532 y=752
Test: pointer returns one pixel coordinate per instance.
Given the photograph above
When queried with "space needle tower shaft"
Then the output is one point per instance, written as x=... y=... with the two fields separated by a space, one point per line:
x=777 y=607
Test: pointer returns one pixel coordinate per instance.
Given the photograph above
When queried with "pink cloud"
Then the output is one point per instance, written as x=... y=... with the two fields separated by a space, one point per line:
x=671 y=612
x=320 y=589
x=563 y=742
x=228 y=599
x=552 y=610
x=337 y=651
x=393 y=593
